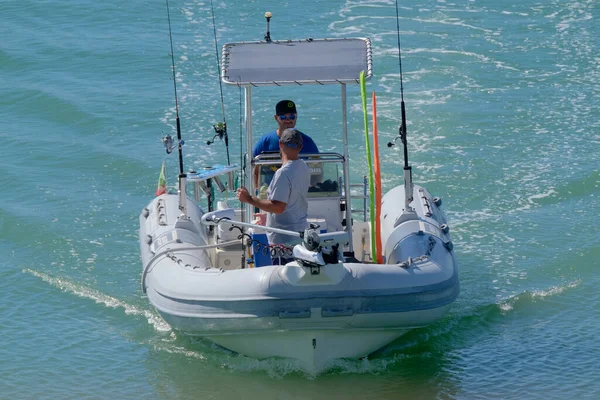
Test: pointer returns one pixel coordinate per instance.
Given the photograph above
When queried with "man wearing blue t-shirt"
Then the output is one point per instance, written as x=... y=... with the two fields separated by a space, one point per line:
x=286 y=117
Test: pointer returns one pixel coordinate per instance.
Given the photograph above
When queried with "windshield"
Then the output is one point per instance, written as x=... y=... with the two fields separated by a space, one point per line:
x=324 y=177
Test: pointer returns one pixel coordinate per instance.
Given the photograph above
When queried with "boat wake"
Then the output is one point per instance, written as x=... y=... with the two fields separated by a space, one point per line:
x=463 y=326
x=100 y=298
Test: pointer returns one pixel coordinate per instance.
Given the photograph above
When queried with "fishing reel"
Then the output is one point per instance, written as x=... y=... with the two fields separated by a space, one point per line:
x=220 y=132
x=401 y=135
x=169 y=143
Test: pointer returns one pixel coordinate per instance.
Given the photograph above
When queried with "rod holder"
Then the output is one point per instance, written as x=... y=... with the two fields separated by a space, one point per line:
x=204 y=187
x=181 y=193
x=220 y=184
x=408 y=188
x=231 y=181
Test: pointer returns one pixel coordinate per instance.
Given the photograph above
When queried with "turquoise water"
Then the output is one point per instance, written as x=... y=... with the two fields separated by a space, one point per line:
x=503 y=105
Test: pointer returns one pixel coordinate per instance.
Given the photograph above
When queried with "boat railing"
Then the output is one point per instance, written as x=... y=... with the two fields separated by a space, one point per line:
x=274 y=159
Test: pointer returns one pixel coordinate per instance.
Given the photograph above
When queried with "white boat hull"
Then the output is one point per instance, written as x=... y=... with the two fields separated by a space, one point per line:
x=314 y=349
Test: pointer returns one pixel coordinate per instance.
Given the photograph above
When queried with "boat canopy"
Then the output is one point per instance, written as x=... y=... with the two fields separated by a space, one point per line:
x=296 y=62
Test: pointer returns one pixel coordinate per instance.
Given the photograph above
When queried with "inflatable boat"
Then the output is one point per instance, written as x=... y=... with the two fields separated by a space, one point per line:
x=208 y=269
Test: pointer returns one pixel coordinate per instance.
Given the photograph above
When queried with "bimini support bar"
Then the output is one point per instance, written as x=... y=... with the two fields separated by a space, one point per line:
x=247 y=165
x=346 y=169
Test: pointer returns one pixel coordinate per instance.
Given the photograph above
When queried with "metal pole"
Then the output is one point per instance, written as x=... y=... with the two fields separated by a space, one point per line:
x=347 y=170
x=249 y=169
x=366 y=197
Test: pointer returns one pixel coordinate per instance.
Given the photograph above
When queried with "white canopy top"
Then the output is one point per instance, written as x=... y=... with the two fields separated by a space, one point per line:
x=300 y=62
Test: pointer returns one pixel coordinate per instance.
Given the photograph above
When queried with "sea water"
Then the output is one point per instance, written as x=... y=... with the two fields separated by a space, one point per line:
x=503 y=110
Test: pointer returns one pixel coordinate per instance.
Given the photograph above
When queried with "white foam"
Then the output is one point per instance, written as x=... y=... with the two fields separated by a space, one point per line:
x=540 y=294
x=548 y=193
x=508 y=304
x=171 y=348
x=280 y=367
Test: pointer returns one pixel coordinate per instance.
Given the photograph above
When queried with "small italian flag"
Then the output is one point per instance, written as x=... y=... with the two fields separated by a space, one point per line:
x=161 y=188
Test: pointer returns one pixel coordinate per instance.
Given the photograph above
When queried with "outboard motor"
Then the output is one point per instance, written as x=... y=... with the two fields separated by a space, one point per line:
x=320 y=249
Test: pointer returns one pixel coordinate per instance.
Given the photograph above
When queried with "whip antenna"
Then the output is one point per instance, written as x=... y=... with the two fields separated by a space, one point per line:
x=182 y=176
x=268 y=16
x=220 y=127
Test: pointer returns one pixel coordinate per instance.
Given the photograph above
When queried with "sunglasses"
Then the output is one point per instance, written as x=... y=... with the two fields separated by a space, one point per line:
x=291 y=117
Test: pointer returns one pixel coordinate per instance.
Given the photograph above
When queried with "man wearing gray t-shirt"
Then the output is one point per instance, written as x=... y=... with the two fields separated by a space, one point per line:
x=286 y=203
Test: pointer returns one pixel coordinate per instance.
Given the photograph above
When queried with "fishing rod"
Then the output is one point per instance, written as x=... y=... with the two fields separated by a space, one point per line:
x=220 y=127
x=408 y=184
x=168 y=140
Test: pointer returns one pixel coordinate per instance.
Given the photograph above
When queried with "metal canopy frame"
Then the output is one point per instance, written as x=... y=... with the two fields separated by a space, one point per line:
x=297 y=62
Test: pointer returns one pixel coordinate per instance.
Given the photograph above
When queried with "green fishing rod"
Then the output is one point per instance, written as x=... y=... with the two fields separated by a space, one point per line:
x=363 y=95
